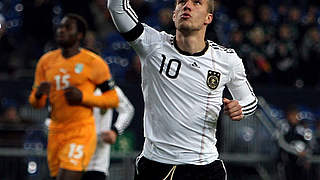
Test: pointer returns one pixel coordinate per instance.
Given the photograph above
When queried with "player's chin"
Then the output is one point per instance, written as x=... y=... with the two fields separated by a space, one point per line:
x=63 y=43
x=184 y=26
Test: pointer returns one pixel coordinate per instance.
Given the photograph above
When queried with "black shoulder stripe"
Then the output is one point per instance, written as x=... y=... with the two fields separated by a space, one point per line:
x=134 y=33
x=107 y=85
x=221 y=48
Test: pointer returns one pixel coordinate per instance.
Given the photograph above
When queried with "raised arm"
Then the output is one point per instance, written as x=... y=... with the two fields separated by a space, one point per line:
x=125 y=19
x=141 y=37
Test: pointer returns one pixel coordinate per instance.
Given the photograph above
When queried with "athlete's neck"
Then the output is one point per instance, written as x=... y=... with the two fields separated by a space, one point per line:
x=71 y=51
x=190 y=43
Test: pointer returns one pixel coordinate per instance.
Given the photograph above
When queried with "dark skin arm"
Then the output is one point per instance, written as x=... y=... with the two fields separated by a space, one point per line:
x=43 y=89
x=73 y=96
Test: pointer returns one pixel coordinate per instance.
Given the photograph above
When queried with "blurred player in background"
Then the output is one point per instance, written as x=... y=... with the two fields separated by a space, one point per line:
x=295 y=148
x=98 y=168
x=68 y=77
x=183 y=78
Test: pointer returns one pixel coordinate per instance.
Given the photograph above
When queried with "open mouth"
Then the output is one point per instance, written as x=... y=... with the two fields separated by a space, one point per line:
x=185 y=16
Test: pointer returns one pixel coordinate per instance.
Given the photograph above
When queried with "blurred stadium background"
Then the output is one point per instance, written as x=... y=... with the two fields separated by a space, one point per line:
x=279 y=42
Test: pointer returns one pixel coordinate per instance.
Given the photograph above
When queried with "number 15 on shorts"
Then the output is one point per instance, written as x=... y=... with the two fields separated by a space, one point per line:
x=76 y=151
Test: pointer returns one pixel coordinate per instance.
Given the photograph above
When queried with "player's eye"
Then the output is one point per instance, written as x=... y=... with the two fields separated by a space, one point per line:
x=197 y=2
x=181 y=1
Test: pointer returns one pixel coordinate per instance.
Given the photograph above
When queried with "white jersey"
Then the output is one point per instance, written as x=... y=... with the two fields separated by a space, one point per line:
x=101 y=159
x=182 y=91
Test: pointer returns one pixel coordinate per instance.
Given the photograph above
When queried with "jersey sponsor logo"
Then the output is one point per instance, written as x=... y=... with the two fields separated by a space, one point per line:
x=78 y=68
x=213 y=79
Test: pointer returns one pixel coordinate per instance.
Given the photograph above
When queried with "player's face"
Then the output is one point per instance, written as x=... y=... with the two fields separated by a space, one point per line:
x=191 y=15
x=67 y=34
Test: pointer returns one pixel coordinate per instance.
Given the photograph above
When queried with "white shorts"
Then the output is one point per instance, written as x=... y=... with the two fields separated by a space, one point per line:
x=100 y=161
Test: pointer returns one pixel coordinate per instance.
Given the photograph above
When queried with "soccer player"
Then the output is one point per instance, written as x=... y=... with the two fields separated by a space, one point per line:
x=68 y=77
x=183 y=77
x=98 y=168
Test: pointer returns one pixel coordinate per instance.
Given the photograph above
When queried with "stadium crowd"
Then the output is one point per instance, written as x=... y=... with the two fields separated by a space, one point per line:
x=278 y=40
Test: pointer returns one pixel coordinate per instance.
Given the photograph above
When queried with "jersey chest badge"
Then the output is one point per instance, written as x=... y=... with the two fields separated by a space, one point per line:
x=78 y=68
x=213 y=79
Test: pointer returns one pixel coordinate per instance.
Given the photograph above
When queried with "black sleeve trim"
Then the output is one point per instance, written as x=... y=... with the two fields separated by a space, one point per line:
x=134 y=33
x=113 y=128
x=249 y=113
x=254 y=102
x=251 y=109
x=127 y=8
x=107 y=85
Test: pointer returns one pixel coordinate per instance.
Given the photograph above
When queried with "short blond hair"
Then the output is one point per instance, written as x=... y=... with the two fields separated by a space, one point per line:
x=210 y=5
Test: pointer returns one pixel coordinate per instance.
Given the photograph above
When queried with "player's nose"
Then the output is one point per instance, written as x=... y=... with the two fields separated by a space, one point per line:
x=187 y=5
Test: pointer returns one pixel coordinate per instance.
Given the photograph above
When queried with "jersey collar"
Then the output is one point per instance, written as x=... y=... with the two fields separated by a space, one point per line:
x=189 y=54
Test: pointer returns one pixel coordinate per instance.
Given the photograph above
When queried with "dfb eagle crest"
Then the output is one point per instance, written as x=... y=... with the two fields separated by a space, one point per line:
x=213 y=79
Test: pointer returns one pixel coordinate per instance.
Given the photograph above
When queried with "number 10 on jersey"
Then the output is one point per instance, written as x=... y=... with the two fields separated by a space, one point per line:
x=174 y=72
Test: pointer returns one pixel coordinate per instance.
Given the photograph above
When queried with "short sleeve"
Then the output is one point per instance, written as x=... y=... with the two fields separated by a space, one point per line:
x=100 y=71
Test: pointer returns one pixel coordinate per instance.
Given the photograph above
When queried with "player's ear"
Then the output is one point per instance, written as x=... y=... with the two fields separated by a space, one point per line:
x=174 y=15
x=209 y=19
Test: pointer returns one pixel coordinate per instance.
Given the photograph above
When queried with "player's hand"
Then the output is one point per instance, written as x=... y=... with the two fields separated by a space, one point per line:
x=73 y=95
x=109 y=137
x=43 y=89
x=233 y=109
